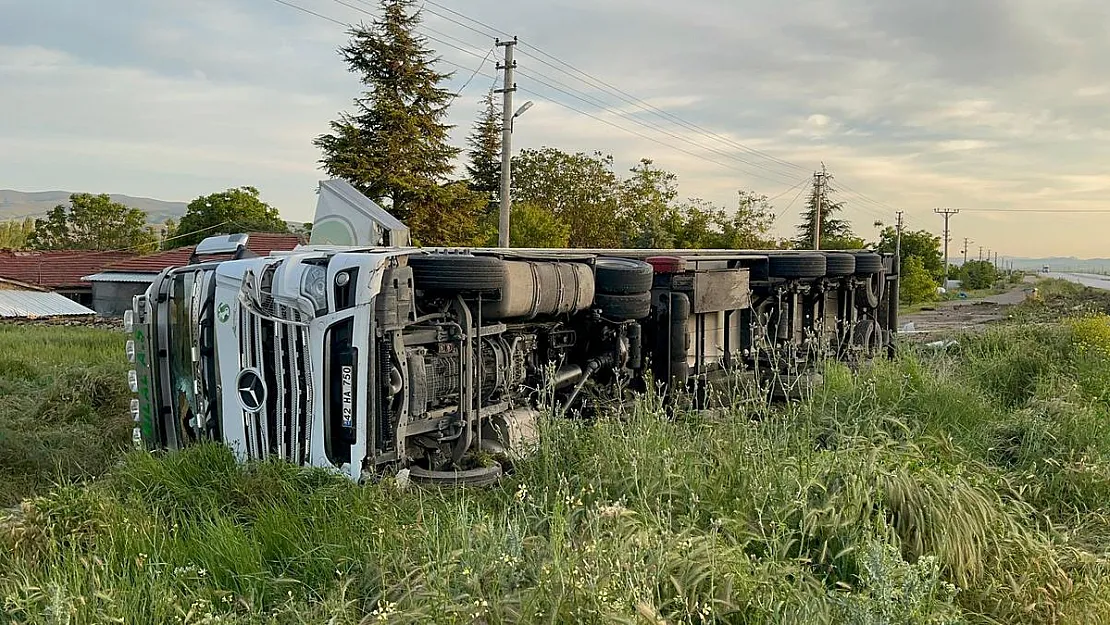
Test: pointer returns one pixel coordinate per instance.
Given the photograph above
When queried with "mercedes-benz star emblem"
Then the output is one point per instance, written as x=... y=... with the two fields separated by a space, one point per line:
x=251 y=389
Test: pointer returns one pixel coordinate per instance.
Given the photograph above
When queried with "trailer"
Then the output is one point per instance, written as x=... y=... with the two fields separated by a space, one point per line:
x=362 y=354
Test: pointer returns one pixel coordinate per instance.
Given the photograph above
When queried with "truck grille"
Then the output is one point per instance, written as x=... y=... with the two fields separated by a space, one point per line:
x=276 y=345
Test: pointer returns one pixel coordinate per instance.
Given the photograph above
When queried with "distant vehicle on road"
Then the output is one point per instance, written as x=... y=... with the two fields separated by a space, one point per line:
x=1044 y=269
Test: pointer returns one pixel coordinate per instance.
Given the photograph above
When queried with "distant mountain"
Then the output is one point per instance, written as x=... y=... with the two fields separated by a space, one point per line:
x=20 y=204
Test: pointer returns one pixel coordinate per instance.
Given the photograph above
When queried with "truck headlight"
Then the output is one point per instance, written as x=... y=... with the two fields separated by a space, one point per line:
x=314 y=285
x=129 y=347
x=133 y=381
x=128 y=321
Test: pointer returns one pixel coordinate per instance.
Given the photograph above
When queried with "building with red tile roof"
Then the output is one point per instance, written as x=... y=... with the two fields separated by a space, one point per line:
x=116 y=283
x=62 y=271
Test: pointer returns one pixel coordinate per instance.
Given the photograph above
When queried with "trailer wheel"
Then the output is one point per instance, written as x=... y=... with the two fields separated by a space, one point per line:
x=868 y=335
x=458 y=273
x=797 y=266
x=871 y=292
x=868 y=263
x=482 y=476
x=624 y=307
x=839 y=265
x=622 y=276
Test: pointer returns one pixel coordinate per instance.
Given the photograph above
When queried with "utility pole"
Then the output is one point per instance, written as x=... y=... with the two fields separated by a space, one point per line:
x=898 y=241
x=506 y=142
x=947 y=212
x=819 y=186
x=980 y=253
x=966 y=241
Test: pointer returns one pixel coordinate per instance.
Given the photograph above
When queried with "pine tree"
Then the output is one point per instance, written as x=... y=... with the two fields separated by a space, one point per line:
x=836 y=234
x=484 y=153
x=394 y=146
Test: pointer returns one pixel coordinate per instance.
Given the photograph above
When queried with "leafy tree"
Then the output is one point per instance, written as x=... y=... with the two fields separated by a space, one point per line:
x=580 y=189
x=93 y=222
x=750 y=226
x=978 y=274
x=836 y=234
x=921 y=244
x=14 y=234
x=916 y=284
x=234 y=210
x=447 y=215
x=646 y=206
x=394 y=146
x=533 y=226
x=484 y=151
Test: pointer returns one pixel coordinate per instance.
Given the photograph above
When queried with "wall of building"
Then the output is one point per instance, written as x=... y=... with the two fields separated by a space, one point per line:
x=111 y=299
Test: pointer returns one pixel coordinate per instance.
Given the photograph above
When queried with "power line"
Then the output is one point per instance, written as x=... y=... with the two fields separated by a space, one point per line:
x=492 y=31
x=1037 y=210
x=601 y=105
x=311 y=12
x=642 y=135
x=645 y=106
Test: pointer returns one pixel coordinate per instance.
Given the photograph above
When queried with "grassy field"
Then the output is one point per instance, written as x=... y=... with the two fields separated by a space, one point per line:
x=63 y=406
x=937 y=488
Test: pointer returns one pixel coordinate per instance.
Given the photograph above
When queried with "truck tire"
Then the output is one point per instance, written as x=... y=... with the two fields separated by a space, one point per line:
x=868 y=263
x=624 y=307
x=839 y=265
x=482 y=476
x=457 y=273
x=622 y=276
x=869 y=294
x=797 y=266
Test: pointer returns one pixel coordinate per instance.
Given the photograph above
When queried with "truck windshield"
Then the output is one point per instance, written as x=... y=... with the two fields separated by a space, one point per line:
x=189 y=322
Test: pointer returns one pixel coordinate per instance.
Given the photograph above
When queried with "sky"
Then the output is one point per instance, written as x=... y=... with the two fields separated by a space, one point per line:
x=911 y=105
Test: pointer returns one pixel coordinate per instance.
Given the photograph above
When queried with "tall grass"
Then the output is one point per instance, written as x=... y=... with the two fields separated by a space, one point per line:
x=937 y=488
x=63 y=406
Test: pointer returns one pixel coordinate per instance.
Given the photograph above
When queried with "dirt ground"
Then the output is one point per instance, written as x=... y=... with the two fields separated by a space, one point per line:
x=957 y=315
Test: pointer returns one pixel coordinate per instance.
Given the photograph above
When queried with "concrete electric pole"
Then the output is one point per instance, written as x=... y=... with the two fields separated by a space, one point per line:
x=819 y=181
x=898 y=242
x=947 y=212
x=966 y=241
x=980 y=253
x=506 y=142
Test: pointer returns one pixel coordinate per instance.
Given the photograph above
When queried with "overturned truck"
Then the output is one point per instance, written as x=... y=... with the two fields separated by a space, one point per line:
x=362 y=354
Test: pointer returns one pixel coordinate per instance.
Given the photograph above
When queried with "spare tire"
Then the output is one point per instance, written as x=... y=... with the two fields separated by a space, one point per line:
x=624 y=307
x=621 y=276
x=869 y=294
x=457 y=273
x=868 y=262
x=838 y=264
x=796 y=266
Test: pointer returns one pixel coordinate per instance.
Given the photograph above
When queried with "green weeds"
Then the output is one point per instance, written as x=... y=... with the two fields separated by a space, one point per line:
x=935 y=488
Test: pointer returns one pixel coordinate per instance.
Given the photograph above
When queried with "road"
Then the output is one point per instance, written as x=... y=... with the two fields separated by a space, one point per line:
x=1086 y=279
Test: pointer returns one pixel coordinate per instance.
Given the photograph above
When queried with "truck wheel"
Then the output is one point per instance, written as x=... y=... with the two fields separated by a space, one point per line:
x=457 y=273
x=839 y=265
x=624 y=307
x=867 y=263
x=868 y=335
x=797 y=266
x=622 y=276
x=483 y=476
x=869 y=294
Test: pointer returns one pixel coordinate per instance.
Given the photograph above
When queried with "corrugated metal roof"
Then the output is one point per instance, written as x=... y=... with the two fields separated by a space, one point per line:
x=39 y=304
x=120 y=276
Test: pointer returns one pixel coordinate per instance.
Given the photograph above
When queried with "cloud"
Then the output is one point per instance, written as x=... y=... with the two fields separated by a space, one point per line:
x=912 y=105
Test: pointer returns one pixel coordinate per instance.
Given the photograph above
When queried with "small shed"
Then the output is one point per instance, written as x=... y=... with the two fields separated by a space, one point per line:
x=114 y=287
x=22 y=300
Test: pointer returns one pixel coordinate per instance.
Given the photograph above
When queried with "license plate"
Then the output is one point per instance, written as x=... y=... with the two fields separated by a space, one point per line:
x=348 y=381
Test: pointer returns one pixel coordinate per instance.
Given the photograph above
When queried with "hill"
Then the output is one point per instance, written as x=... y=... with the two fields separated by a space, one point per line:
x=20 y=204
